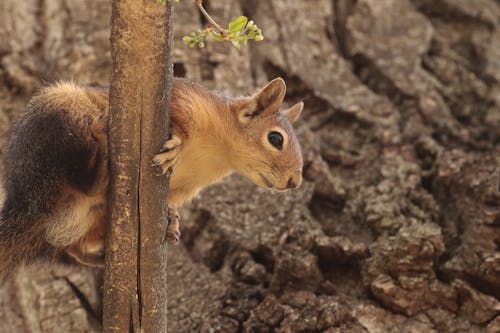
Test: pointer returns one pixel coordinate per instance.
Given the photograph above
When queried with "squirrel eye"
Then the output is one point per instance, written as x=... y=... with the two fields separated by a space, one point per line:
x=276 y=139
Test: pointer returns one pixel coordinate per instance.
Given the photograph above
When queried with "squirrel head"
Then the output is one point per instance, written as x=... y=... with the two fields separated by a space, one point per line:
x=266 y=149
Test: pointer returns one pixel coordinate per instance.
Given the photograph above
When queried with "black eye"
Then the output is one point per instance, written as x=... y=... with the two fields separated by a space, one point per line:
x=276 y=139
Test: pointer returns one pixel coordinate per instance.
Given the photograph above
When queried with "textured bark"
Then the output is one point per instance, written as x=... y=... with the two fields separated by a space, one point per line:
x=395 y=228
x=136 y=259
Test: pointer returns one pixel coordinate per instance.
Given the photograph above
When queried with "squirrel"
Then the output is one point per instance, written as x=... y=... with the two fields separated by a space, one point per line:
x=56 y=163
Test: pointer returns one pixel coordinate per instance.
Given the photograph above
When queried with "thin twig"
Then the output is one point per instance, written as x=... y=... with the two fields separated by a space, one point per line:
x=210 y=20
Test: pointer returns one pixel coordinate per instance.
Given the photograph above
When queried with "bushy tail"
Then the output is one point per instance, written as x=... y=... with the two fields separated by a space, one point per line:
x=20 y=243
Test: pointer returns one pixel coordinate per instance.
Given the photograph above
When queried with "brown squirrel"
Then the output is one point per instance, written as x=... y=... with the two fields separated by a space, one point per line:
x=56 y=169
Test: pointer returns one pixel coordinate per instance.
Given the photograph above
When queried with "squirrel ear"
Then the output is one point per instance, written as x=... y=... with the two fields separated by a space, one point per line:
x=294 y=112
x=266 y=102
x=269 y=98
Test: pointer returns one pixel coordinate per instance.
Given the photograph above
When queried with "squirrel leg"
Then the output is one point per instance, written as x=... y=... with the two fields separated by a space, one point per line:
x=87 y=259
x=167 y=156
x=173 y=233
x=165 y=160
x=89 y=250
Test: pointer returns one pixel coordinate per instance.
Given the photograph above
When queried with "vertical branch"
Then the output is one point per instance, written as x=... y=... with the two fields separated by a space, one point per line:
x=135 y=276
x=153 y=205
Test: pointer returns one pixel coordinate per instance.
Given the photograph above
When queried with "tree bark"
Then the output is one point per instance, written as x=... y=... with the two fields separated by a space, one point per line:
x=135 y=277
x=391 y=180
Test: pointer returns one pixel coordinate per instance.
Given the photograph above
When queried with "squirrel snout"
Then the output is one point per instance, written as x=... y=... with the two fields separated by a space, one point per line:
x=295 y=180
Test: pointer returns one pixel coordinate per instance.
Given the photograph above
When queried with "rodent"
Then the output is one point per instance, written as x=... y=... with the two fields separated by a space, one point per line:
x=56 y=163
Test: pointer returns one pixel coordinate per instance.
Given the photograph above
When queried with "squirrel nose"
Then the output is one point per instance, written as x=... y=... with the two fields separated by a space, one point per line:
x=295 y=180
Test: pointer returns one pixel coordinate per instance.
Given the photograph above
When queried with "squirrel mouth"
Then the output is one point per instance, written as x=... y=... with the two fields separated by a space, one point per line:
x=266 y=181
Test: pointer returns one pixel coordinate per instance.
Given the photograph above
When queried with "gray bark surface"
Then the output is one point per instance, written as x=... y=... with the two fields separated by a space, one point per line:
x=395 y=228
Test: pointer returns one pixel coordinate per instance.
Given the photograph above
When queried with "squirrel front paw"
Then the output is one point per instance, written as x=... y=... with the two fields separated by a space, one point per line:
x=173 y=233
x=167 y=156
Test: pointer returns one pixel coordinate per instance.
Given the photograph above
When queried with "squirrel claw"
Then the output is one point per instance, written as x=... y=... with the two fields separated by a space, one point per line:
x=173 y=233
x=167 y=156
x=173 y=237
x=159 y=169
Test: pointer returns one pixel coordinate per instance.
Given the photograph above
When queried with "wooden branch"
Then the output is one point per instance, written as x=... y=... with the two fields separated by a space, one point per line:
x=199 y=4
x=153 y=205
x=135 y=276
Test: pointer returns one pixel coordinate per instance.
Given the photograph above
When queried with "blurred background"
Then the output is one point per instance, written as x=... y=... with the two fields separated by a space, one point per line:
x=396 y=226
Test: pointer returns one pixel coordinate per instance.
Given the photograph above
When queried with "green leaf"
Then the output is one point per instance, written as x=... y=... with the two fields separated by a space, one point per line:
x=236 y=44
x=238 y=24
x=217 y=36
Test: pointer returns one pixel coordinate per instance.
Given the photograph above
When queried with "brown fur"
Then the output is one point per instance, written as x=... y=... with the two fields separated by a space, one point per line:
x=213 y=136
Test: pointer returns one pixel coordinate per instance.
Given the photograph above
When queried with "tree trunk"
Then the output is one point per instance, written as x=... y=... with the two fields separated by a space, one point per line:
x=135 y=276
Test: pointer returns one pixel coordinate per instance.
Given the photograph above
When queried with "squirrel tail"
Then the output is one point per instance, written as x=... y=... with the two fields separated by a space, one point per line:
x=18 y=246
